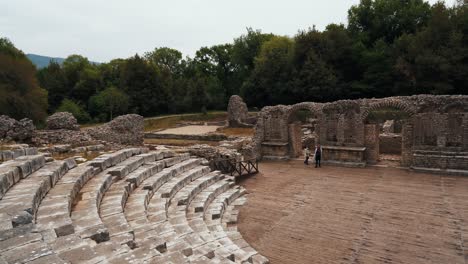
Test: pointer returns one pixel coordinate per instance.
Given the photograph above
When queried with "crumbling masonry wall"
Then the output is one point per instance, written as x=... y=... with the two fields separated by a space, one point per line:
x=435 y=136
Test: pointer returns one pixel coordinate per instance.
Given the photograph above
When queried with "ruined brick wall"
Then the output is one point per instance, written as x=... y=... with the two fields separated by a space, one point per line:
x=295 y=139
x=436 y=123
x=372 y=143
x=439 y=160
x=390 y=143
x=407 y=141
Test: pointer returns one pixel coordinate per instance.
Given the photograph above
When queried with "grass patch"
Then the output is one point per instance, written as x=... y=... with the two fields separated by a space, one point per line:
x=171 y=121
x=237 y=131
x=165 y=122
x=89 y=155
x=178 y=142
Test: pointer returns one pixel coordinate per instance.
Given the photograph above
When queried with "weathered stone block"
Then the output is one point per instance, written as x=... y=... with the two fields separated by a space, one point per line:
x=64 y=230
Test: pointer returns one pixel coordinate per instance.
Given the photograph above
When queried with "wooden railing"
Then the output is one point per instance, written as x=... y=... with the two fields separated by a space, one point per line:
x=235 y=168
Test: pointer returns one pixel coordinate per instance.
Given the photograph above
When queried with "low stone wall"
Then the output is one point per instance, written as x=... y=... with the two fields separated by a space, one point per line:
x=390 y=143
x=212 y=153
x=346 y=156
x=16 y=152
x=207 y=137
x=60 y=149
x=440 y=160
x=62 y=136
x=275 y=150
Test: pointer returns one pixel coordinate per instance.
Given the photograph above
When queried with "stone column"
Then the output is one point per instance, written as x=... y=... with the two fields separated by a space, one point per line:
x=407 y=144
x=322 y=134
x=372 y=143
x=465 y=132
x=360 y=132
x=295 y=139
x=340 y=127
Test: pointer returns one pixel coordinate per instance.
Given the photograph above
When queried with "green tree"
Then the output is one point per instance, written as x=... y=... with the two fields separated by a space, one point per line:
x=244 y=51
x=73 y=65
x=372 y=20
x=216 y=63
x=269 y=82
x=166 y=58
x=75 y=109
x=315 y=81
x=53 y=79
x=111 y=101
x=110 y=72
x=197 y=97
x=142 y=82
x=434 y=60
x=20 y=94
x=89 y=83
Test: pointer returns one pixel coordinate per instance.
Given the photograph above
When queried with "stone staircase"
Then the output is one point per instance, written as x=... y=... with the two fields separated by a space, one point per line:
x=129 y=206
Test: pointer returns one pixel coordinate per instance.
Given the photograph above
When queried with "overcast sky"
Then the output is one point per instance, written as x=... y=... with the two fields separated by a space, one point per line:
x=103 y=30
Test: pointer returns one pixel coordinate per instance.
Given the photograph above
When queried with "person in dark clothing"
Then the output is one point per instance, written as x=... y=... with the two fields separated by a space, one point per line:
x=318 y=155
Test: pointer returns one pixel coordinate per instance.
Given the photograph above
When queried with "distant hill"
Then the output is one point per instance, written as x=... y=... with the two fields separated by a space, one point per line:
x=42 y=61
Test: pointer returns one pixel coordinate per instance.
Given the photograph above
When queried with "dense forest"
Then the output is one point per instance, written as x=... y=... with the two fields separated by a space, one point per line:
x=387 y=48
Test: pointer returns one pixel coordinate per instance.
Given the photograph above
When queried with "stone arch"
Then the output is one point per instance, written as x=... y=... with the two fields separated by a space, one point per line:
x=372 y=131
x=393 y=103
x=302 y=106
x=456 y=107
x=295 y=134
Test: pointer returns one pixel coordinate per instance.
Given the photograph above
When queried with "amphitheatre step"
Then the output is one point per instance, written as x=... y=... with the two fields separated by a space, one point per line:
x=55 y=209
x=158 y=205
x=135 y=208
x=22 y=245
x=12 y=171
x=6 y=155
x=112 y=207
x=218 y=250
x=241 y=250
x=20 y=203
x=217 y=207
x=200 y=203
x=138 y=201
x=178 y=205
x=85 y=213
x=229 y=224
x=185 y=196
x=130 y=206
x=177 y=218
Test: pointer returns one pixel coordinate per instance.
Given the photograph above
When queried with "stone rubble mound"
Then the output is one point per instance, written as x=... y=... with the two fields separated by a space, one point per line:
x=124 y=130
x=389 y=126
x=11 y=129
x=238 y=113
x=62 y=120
x=128 y=206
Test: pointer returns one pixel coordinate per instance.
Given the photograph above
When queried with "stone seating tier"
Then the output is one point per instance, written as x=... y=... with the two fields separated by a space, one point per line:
x=129 y=206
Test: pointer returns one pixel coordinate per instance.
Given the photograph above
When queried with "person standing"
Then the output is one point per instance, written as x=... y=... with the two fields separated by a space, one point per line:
x=307 y=155
x=318 y=155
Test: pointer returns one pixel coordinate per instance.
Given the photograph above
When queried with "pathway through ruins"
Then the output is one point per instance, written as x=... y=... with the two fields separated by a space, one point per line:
x=298 y=214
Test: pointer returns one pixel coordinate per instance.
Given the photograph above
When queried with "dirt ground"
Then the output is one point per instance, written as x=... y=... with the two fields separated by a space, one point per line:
x=298 y=214
x=189 y=130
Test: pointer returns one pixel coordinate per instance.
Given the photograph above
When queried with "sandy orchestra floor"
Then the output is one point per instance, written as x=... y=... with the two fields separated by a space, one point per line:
x=299 y=214
x=189 y=130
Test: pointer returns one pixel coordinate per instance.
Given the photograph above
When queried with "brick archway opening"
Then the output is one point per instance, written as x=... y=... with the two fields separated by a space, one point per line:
x=303 y=130
x=384 y=133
